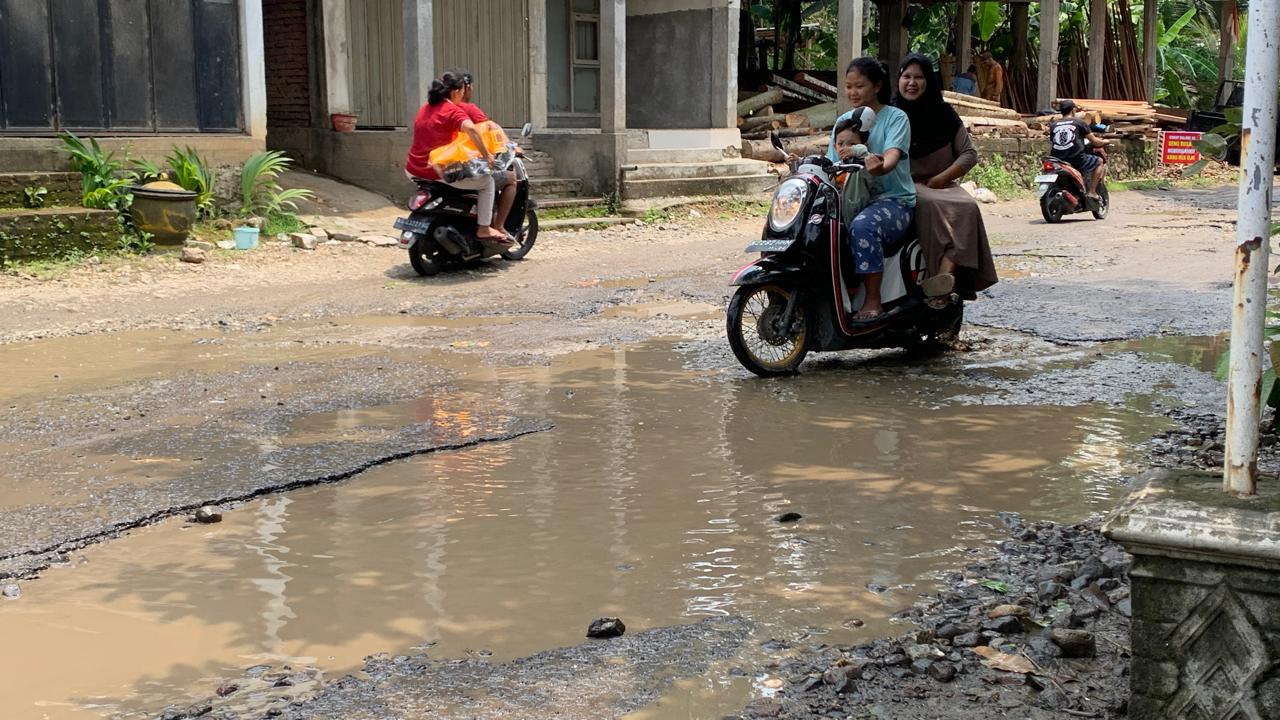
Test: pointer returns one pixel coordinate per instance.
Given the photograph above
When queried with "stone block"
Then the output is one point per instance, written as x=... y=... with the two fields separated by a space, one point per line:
x=1206 y=591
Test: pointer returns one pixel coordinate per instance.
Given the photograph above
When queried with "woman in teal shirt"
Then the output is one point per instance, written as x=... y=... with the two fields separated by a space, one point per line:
x=893 y=194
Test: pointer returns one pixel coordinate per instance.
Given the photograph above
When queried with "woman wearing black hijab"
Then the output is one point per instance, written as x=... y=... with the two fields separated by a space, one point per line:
x=948 y=221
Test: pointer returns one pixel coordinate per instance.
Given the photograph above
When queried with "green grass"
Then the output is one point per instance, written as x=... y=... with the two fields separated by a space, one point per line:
x=994 y=176
x=281 y=221
x=574 y=213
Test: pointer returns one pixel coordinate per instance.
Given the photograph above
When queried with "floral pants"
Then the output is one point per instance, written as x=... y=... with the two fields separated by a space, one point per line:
x=881 y=222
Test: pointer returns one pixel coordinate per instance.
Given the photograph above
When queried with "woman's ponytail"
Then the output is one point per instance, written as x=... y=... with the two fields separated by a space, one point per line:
x=445 y=84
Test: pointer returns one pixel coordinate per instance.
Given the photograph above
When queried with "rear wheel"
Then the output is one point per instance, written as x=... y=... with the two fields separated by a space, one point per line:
x=944 y=333
x=425 y=256
x=1051 y=207
x=1105 y=206
x=525 y=239
x=757 y=334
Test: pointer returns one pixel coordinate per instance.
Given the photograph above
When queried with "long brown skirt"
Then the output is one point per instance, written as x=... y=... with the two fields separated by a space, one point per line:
x=949 y=224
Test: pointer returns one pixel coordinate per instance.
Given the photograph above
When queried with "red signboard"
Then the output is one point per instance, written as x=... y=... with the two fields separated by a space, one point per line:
x=1177 y=147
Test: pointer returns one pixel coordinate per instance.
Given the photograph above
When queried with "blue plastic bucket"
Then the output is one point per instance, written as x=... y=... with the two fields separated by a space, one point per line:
x=246 y=238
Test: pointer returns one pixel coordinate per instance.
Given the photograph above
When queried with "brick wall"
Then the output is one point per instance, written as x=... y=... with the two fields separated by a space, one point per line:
x=288 y=79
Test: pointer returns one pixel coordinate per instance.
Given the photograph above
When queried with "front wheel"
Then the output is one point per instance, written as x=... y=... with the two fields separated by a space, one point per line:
x=525 y=239
x=1050 y=207
x=425 y=256
x=765 y=342
x=1105 y=205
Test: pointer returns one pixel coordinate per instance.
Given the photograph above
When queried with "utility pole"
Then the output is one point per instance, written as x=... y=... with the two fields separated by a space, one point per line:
x=1253 y=231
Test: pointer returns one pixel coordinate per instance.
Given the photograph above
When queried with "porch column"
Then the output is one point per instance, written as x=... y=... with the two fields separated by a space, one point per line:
x=1097 y=45
x=538 y=63
x=850 y=43
x=1149 y=15
x=613 y=90
x=1227 y=39
x=337 y=56
x=613 y=66
x=964 y=37
x=254 y=81
x=893 y=36
x=419 y=55
x=1047 y=83
x=724 y=67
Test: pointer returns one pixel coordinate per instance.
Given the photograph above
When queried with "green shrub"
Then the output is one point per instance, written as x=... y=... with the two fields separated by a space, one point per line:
x=260 y=192
x=993 y=175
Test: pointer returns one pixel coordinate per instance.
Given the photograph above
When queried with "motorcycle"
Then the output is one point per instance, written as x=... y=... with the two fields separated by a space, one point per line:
x=440 y=232
x=1062 y=190
x=802 y=294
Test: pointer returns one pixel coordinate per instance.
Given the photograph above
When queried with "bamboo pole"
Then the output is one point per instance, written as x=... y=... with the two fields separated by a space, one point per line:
x=1258 y=147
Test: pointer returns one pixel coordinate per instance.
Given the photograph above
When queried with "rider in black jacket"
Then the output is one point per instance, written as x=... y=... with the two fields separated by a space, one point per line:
x=1066 y=139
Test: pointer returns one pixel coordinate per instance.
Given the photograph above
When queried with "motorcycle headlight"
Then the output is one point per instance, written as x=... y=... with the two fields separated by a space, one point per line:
x=788 y=201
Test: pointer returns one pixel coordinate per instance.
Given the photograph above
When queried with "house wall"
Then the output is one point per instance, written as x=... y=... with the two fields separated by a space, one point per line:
x=681 y=63
x=289 y=81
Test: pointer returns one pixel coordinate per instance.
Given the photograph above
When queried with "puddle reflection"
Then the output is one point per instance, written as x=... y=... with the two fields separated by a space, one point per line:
x=653 y=499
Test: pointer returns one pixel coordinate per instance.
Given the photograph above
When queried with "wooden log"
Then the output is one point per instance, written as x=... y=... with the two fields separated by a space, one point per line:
x=800 y=91
x=785 y=119
x=769 y=97
x=760 y=150
x=820 y=116
x=949 y=96
x=811 y=145
x=782 y=133
x=766 y=122
x=965 y=107
x=814 y=83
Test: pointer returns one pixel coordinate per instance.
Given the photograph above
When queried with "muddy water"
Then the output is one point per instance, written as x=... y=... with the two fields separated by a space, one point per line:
x=653 y=499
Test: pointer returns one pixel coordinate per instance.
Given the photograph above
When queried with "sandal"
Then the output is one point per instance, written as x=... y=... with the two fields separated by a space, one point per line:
x=937 y=303
x=939 y=285
x=868 y=315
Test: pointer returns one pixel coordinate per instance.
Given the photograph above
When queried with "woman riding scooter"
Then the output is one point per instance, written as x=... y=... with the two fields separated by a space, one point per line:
x=439 y=120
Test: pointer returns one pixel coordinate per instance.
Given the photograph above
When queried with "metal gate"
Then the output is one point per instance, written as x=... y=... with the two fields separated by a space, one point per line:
x=491 y=39
x=120 y=65
x=376 y=32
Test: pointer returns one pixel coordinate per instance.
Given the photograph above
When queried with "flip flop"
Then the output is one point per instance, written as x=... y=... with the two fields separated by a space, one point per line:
x=937 y=303
x=939 y=285
x=864 y=316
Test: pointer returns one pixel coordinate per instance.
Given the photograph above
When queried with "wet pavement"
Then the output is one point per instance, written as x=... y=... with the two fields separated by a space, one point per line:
x=652 y=497
x=456 y=475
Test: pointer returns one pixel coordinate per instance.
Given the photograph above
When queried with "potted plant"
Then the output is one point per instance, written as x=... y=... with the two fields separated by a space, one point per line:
x=344 y=121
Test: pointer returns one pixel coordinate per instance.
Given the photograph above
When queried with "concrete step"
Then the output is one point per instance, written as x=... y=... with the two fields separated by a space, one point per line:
x=675 y=155
x=694 y=170
x=572 y=202
x=676 y=187
x=553 y=187
x=61 y=188
x=584 y=223
x=52 y=233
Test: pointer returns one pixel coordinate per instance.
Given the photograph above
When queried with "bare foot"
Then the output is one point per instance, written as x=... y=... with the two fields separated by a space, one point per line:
x=867 y=314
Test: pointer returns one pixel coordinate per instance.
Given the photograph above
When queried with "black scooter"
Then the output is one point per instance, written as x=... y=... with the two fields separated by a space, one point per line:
x=440 y=232
x=802 y=293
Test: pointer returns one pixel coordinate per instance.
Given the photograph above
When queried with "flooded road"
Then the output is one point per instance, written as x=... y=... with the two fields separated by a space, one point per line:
x=652 y=499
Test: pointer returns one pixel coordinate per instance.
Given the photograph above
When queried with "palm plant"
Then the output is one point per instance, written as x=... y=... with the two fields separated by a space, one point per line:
x=192 y=173
x=260 y=192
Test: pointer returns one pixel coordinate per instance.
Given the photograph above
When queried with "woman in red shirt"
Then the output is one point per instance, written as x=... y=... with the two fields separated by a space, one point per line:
x=437 y=122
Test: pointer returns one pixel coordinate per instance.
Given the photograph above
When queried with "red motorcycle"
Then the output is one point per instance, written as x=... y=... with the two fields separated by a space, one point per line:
x=1062 y=190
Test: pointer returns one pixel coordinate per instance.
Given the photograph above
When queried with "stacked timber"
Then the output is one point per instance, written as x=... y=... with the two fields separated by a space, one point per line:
x=801 y=110
x=1130 y=119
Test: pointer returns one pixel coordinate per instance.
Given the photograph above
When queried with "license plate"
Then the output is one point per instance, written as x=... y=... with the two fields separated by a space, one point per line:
x=1046 y=178
x=1044 y=188
x=412 y=225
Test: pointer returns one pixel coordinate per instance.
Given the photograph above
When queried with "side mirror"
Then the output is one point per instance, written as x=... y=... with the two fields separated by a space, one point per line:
x=776 y=141
x=527 y=130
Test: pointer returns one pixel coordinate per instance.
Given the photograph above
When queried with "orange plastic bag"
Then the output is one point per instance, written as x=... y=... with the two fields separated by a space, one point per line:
x=456 y=160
